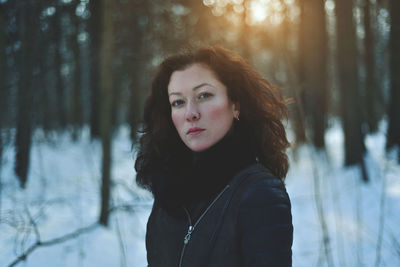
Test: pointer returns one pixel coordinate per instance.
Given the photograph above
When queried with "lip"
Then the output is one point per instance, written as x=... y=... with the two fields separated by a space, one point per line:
x=195 y=131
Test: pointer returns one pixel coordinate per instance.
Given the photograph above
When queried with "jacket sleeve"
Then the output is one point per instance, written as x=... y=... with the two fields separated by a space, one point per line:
x=265 y=225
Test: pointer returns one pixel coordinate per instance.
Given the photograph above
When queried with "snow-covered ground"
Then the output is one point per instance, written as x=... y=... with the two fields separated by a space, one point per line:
x=62 y=195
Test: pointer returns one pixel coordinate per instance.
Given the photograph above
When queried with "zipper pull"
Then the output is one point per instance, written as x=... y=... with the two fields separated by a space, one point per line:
x=188 y=235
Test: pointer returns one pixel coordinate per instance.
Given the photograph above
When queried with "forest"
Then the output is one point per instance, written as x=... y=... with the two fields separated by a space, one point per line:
x=74 y=75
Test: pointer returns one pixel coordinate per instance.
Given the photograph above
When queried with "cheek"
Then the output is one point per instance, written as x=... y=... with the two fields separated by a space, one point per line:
x=177 y=120
x=220 y=113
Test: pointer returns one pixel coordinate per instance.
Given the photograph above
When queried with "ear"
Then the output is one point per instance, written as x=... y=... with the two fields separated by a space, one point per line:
x=236 y=109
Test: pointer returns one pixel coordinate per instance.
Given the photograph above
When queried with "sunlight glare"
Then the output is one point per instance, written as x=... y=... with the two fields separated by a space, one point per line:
x=277 y=6
x=258 y=11
x=237 y=2
x=329 y=5
x=238 y=8
x=222 y=3
x=276 y=19
x=218 y=11
x=208 y=2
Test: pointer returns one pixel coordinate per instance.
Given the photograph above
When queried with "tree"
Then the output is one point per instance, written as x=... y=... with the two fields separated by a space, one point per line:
x=314 y=53
x=372 y=93
x=56 y=33
x=106 y=105
x=3 y=89
x=393 y=135
x=95 y=24
x=349 y=86
x=76 y=99
x=26 y=18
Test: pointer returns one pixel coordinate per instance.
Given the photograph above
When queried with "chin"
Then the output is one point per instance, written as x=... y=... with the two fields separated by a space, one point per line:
x=199 y=147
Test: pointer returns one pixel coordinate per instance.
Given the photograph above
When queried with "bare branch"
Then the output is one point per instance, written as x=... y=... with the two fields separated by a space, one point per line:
x=51 y=242
x=381 y=218
x=121 y=243
x=32 y=221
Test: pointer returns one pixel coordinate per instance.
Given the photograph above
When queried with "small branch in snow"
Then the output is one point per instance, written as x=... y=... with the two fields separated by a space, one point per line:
x=130 y=208
x=51 y=242
x=381 y=219
x=32 y=221
x=396 y=244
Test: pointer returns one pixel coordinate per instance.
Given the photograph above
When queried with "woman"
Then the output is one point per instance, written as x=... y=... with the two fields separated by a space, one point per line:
x=212 y=152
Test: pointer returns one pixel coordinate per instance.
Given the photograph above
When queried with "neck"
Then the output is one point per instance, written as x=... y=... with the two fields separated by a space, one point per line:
x=205 y=175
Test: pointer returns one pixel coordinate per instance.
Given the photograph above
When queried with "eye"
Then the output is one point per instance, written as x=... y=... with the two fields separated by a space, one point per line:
x=177 y=103
x=204 y=95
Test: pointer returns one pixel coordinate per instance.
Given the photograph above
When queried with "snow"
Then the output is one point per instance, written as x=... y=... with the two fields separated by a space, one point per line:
x=62 y=195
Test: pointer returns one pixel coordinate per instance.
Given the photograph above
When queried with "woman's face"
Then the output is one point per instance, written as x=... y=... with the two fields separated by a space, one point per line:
x=200 y=108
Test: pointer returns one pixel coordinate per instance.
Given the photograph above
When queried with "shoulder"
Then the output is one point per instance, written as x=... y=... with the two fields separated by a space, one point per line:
x=263 y=200
x=264 y=221
x=261 y=186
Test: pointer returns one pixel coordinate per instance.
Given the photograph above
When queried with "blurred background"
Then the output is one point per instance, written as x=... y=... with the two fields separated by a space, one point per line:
x=74 y=75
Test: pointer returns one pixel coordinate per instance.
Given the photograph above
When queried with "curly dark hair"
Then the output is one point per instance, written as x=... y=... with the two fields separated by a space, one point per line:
x=262 y=109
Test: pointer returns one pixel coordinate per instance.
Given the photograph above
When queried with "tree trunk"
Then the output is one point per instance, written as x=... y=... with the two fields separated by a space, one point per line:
x=393 y=135
x=136 y=92
x=244 y=38
x=348 y=82
x=3 y=76
x=58 y=62
x=106 y=106
x=372 y=93
x=95 y=23
x=76 y=99
x=3 y=89
x=25 y=94
x=315 y=53
x=299 y=112
x=42 y=98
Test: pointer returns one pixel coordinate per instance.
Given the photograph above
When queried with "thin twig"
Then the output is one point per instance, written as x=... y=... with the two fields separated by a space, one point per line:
x=381 y=218
x=33 y=223
x=321 y=214
x=359 y=243
x=396 y=244
x=120 y=242
x=130 y=208
x=51 y=242
x=337 y=214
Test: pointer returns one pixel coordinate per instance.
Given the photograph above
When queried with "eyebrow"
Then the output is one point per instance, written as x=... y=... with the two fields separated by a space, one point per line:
x=194 y=88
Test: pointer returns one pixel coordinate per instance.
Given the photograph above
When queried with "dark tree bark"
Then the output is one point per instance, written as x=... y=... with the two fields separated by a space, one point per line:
x=299 y=112
x=393 y=135
x=372 y=91
x=41 y=97
x=95 y=23
x=26 y=20
x=57 y=31
x=314 y=51
x=349 y=86
x=76 y=94
x=106 y=106
x=139 y=57
x=3 y=77
x=244 y=38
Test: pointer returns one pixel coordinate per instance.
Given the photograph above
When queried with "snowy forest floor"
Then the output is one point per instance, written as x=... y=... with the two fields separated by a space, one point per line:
x=338 y=219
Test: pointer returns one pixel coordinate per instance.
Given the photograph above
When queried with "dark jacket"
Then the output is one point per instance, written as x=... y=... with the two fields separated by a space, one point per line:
x=248 y=223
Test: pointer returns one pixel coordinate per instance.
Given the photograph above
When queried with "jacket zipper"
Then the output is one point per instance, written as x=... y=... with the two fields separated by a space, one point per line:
x=192 y=227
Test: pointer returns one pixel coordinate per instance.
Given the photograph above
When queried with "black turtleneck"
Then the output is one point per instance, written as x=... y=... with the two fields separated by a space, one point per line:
x=185 y=180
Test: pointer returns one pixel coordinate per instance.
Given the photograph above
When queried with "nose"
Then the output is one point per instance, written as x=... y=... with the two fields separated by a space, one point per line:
x=192 y=112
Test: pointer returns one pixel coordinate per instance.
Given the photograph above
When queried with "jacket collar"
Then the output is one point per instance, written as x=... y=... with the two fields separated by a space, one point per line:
x=185 y=180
